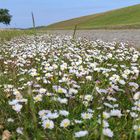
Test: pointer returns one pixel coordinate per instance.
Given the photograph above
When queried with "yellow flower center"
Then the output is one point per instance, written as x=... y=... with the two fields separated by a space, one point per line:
x=86 y=115
x=47 y=125
x=60 y=91
x=66 y=124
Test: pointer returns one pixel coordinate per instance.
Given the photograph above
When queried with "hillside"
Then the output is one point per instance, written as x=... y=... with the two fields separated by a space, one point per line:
x=128 y=17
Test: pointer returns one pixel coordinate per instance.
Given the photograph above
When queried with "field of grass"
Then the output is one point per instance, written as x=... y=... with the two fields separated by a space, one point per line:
x=125 y=18
x=7 y=35
x=58 y=88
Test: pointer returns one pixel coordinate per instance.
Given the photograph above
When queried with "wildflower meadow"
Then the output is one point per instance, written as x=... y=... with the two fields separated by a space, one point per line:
x=58 y=88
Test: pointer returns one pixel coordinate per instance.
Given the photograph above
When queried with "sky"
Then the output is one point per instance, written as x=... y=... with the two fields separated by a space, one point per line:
x=51 y=11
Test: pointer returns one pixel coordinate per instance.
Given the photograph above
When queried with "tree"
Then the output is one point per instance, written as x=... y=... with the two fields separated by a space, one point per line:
x=5 y=17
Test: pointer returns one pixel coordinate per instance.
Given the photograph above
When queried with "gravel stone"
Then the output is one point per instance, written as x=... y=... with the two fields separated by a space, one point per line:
x=131 y=36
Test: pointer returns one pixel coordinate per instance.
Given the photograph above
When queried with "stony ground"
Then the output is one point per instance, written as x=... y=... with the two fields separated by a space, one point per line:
x=131 y=36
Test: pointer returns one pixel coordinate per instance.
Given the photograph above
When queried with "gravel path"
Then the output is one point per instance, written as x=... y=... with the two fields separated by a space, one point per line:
x=131 y=36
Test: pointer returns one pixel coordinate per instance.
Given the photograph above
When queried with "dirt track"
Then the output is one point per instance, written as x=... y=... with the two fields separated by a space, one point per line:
x=132 y=36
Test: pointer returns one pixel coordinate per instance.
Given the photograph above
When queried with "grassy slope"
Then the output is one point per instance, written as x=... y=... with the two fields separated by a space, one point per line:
x=128 y=17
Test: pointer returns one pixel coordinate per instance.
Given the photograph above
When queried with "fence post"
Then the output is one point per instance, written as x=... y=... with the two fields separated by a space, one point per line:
x=33 y=20
x=74 y=33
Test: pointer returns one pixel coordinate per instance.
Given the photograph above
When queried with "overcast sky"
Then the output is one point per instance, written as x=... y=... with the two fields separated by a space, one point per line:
x=50 y=11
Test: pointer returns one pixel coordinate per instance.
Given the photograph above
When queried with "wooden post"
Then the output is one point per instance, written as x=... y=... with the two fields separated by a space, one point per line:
x=33 y=20
x=74 y=33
